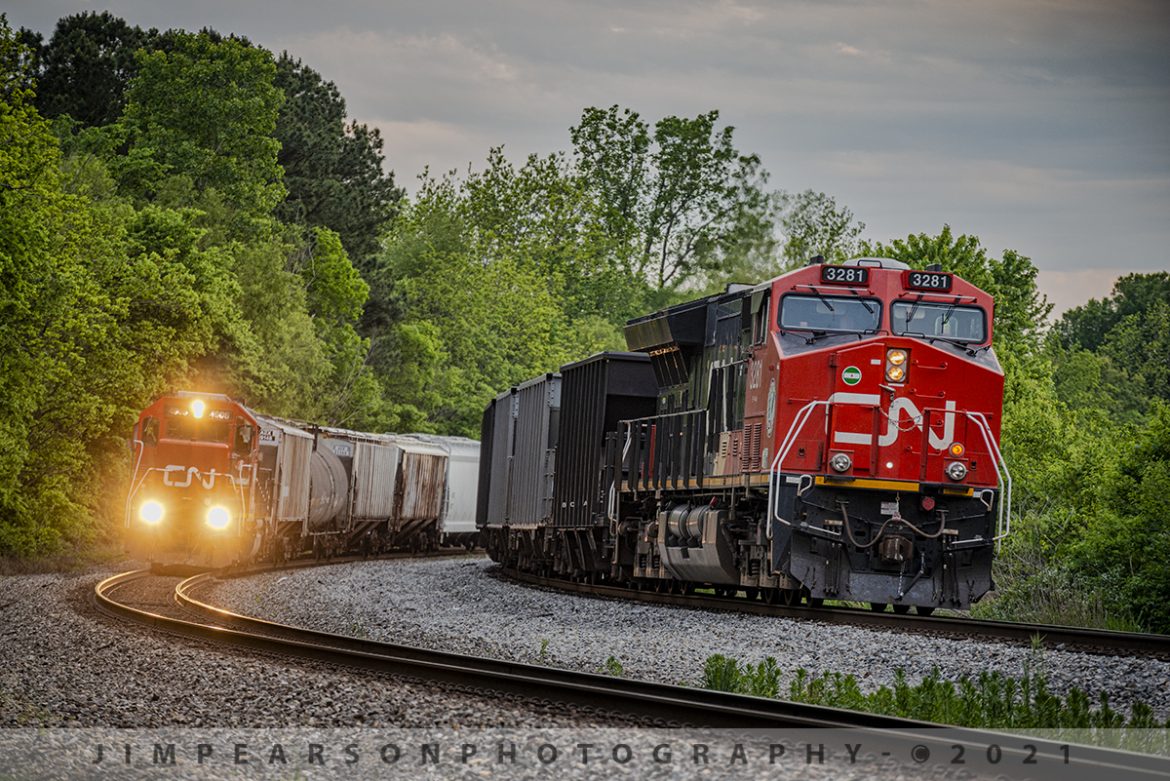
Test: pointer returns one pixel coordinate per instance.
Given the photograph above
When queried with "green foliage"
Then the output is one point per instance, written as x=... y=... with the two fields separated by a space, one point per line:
x=674 y=203
x=613 y=667
x=333 y=170
x=205 y=111
x=1088 y=326
x=727 y=674
x=84 y=69
x=815 y=225
x=990 y=701
x=494 y=324
x=1020 y=308
x=107 y=301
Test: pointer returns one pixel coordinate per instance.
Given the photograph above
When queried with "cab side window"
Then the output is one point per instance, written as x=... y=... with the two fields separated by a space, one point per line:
x=760 y=322
x=244 y=436
x=150 y=431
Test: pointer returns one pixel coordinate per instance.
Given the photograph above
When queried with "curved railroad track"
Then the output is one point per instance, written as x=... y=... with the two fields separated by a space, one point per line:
x=162 y=604
x=1097 y=641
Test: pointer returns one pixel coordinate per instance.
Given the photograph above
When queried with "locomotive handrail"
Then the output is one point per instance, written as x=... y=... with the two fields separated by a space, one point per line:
x=1003 y=524
x=798 y=424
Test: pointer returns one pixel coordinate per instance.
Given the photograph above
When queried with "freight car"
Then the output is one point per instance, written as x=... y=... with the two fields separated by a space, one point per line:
x=215 y=483
x=832 y=433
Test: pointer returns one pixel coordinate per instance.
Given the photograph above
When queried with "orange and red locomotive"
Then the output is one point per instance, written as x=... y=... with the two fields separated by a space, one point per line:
x=195 y=460
x=831 y=433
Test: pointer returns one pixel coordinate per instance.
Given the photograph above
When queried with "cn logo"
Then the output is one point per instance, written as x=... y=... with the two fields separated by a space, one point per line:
x=179 y=476
x=898 y=409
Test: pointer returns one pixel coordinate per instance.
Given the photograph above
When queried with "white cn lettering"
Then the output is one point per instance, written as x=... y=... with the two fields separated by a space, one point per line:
x=178 y=476
x=893 y=417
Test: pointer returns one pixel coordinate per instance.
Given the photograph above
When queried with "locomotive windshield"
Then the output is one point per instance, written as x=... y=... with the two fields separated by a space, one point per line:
x=215 y=426
x=944 y=321
x=830 y=313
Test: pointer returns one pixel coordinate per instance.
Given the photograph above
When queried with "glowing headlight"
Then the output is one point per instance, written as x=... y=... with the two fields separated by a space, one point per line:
x=841 y=462
x=197 y=408
x=956 y=470
x=151 y=512
x=218 y=518
x=896 y=362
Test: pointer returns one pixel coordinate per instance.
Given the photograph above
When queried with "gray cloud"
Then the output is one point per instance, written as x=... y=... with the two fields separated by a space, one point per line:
x=1040 y=126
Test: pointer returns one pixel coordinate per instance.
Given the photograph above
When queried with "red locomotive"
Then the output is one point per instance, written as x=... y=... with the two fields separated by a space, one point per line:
x=193 y=495
x=831 y=433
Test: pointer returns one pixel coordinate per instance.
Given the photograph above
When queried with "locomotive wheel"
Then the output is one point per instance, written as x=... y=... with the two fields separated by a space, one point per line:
x=923 y=610
x=877 y=607
x=901 y=609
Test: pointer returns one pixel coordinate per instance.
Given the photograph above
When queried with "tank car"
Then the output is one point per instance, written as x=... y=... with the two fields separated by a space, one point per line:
x=829 y=434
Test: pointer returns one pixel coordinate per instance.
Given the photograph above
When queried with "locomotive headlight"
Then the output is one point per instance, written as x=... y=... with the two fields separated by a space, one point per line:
x=151 y=512
x=896 y=363
x=197 y=408
x=841 y=462
x=218 y=517
x=956 y=470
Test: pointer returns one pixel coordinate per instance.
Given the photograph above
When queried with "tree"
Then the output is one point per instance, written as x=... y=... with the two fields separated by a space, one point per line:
x=1020 y=307
x=677 y=203
x=335 y=295
x=1087 y=326
x=814 y=224
x=86 y=67
x=100 y=308
x=333 y=170
x=204 y=113
x=473 y=321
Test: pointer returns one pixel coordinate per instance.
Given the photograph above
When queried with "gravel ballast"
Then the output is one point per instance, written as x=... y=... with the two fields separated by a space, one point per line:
x=462 y=605
x=65 y=665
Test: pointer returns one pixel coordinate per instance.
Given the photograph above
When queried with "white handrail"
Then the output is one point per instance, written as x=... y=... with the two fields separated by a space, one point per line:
x=798 y=424
x=1003 y=524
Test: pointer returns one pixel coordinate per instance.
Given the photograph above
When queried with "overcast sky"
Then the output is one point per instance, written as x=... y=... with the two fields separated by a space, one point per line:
x=1039 y=125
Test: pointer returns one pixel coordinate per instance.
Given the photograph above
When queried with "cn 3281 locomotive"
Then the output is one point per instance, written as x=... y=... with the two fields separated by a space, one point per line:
x=214 y=483
x=830 y=434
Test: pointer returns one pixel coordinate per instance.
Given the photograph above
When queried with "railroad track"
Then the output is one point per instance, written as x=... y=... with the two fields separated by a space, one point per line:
x=1098 y=641
x=660 y=705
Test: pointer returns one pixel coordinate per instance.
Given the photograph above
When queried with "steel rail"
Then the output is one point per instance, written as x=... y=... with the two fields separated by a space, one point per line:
x=666 y=704
x=1097 y=641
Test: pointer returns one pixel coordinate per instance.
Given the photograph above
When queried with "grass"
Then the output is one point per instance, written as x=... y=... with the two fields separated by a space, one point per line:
x=990 y=701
